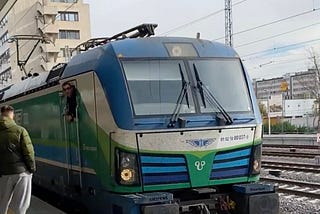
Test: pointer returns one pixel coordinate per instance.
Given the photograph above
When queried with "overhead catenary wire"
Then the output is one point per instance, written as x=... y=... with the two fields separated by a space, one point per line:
x=277 y=35
x=22 y=17
x=276 y=63
x=280 y=61
x=27 y=11
x=281 y=57
x=196 y=20
x=281 y=47
x=273 y=22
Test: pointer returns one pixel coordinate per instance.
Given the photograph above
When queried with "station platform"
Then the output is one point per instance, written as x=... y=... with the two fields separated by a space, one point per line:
x=41 y=207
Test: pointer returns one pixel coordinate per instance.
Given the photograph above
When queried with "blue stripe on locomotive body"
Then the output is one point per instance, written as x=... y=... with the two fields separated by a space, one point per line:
x=167 y=169
x=55 y=154
x=58 y=154
x=163 y=179
x=228 y=173
x=105 y=62
x=235 y=154
x=243 y=162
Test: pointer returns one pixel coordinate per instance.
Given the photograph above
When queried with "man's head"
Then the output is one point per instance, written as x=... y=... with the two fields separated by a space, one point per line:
x=7 y=111
x=67 y=89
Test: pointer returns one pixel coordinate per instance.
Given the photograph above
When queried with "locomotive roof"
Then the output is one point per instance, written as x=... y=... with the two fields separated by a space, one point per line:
x=32 y=83
x=151 y=47
x=26 y=85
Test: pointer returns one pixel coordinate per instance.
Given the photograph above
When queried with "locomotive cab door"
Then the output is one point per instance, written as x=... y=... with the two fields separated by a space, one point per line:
x=70 y=119
x=79 y=130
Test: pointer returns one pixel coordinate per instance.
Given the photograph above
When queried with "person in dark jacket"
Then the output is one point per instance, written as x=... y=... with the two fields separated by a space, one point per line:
x=17 y=163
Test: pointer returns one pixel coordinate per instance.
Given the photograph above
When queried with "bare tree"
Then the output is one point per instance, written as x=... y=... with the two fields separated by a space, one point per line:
x=263 y=109
x=310 y=81
x=315 y=61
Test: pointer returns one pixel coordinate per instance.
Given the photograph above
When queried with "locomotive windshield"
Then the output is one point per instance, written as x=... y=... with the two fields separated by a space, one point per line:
x=224 y=79
x=155 y=85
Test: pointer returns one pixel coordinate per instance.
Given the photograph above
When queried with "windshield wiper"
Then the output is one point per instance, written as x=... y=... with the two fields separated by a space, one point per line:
x=183 y=93
x=205 y=93
x=199 y=85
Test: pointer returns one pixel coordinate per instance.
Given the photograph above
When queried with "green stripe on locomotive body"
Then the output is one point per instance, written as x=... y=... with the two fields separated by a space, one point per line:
x=48 y=132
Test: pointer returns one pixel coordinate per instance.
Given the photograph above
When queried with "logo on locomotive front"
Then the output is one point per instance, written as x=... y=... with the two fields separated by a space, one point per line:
x=199 y=165
x=201 y=142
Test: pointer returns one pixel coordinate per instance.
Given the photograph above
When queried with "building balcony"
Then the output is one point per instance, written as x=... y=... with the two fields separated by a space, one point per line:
x=47 y=28
x=50 y=10
x=46 y=10
x=49 y=48
x=51 y=29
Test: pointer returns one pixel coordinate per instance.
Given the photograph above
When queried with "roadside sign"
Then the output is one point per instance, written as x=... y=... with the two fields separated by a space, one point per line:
x=284 y=86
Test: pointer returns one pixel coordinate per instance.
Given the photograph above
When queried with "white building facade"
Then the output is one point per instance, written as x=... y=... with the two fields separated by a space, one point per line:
x=63 y=23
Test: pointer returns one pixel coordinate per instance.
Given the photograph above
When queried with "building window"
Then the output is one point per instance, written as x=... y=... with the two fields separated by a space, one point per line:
x=4 y=38
x=69 y=34
x=5 y=57
x=65 y=1
x=68 y=16
x=5 y=76
x=4 y=21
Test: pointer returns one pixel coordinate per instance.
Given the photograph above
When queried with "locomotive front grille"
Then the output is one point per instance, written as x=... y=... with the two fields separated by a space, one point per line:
x=163 y=170
x=231 y=164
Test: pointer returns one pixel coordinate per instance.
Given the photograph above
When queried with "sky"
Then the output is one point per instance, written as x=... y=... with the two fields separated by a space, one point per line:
x=269 y=54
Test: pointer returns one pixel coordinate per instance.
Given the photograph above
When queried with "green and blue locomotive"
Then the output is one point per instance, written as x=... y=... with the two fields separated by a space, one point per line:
x=161 y=125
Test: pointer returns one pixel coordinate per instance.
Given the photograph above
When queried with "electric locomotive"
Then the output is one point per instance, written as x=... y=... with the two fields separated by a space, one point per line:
x=161 y=125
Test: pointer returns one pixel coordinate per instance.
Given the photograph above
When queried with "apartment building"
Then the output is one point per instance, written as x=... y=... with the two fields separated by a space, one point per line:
x=303 y=85
x=300 y=85
x=267 y=87
x=63 y=23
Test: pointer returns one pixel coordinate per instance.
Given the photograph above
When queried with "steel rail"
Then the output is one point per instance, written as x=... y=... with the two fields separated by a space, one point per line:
x=288 y=154
x=312 y=193
x=292 y=166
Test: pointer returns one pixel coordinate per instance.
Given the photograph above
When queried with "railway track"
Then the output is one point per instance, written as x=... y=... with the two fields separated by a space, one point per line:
x=290 y=146
x=300 y=151
x=289 y=154
x=293 y=187
x=291 y=166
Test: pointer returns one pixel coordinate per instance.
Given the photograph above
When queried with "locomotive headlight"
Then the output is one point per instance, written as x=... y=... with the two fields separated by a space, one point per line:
x=256 y=165
x=181 y=49
x=127 y=174
x=256 y=160
x=127 y=168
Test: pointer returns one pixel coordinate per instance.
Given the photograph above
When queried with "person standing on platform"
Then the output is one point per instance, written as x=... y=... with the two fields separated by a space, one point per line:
x=17 y=164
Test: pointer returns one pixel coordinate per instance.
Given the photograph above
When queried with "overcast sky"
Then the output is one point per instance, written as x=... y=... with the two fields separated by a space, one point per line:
x=287 y=53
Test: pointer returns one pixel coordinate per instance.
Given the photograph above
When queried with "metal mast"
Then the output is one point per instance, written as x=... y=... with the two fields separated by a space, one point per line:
x=228 y=23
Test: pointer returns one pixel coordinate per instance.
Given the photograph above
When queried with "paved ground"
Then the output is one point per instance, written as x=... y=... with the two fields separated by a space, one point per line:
x=40 y=207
